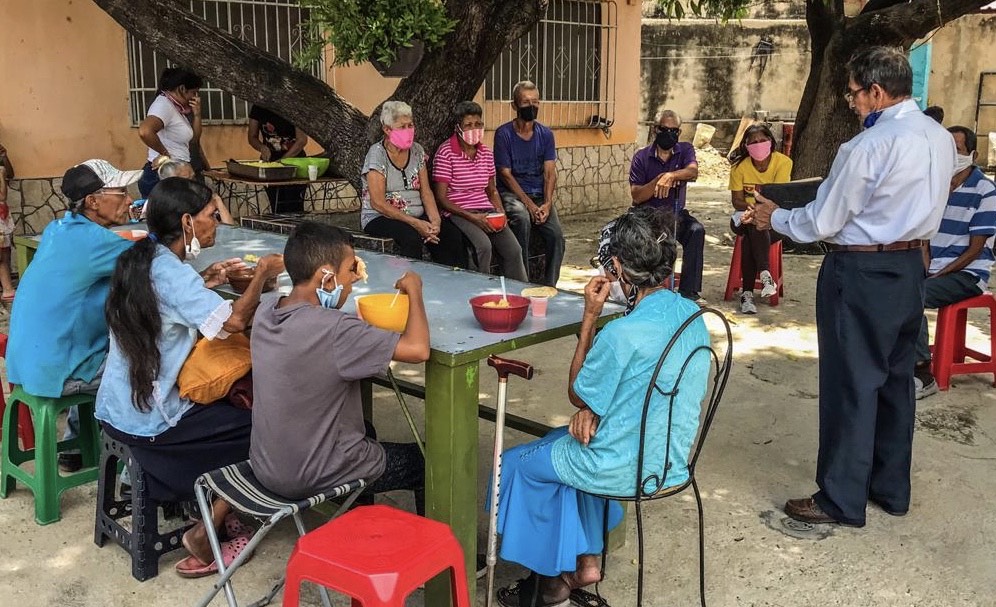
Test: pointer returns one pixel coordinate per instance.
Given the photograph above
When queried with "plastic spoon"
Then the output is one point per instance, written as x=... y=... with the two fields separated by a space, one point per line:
x=504 y=295
x=395 y=298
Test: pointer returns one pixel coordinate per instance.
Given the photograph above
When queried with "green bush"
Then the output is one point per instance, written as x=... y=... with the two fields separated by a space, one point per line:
x=361 y=30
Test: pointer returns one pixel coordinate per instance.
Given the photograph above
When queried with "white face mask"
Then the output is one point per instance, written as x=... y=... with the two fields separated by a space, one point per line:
x=193 y=249
x=963 y=162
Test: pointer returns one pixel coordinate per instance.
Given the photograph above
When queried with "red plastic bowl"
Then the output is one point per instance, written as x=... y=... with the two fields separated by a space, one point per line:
x=496 y=220
x=500 y=320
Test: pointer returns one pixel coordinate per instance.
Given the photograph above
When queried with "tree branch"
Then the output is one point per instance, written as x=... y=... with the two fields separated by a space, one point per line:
x=249 y=73
x=905 y=22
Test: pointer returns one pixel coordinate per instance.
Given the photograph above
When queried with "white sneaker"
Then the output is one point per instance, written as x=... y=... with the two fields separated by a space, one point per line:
x=925 y=386
x=768 y=286
x=747 y=303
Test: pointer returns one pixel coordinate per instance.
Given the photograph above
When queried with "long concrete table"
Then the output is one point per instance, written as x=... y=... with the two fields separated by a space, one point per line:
x=452 y=382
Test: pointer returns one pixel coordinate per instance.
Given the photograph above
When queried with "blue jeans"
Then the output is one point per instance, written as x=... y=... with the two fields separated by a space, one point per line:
x=943 y=291
x=522 y=226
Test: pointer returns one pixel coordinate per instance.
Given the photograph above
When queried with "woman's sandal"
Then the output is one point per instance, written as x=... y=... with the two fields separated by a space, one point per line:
x=193 y=567
x=234 y=527
x=510 y=596
x=582 y=598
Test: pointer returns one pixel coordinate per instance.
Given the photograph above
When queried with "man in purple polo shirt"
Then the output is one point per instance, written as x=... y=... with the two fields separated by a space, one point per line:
x=658 y=177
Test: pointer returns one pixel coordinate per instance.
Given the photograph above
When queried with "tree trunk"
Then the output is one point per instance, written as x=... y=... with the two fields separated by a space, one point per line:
x=824 y=118
x=451 y=73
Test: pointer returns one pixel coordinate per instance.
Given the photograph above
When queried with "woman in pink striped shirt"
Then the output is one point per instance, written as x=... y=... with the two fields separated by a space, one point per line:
x=463 y=178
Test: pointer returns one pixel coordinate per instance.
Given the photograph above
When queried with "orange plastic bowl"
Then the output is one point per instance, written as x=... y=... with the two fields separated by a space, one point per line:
x=496 y=221
x=377 y=310
x=500 y=320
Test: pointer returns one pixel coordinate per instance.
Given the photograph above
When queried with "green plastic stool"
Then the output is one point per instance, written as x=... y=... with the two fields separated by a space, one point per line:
x=46 y=483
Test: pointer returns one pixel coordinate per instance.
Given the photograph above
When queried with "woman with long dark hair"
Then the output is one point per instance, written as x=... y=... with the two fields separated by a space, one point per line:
x=755 y=163
x=156 y=308
x=172 y=126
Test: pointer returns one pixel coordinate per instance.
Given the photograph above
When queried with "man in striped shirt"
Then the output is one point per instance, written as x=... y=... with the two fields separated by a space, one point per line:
x=961 y=254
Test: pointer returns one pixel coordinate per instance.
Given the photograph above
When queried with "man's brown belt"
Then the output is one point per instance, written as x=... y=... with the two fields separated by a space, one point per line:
x=902 y=245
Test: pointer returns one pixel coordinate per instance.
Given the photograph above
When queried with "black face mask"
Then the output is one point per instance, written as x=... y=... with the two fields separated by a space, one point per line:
x=527 y=113
x=666 y=138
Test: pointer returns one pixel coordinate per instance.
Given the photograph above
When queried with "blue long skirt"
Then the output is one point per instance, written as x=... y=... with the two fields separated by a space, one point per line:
x=544 y=524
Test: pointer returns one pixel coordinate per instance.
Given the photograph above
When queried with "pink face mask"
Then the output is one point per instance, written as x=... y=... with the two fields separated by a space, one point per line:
x=472 y=136
x=402 y=138
x=760 y=150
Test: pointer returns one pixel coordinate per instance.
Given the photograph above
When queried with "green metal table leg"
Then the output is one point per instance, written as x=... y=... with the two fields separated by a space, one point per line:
x=451 y=396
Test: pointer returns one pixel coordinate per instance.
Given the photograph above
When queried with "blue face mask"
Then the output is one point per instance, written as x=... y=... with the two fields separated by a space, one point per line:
x=329 y=299
x=871 y=119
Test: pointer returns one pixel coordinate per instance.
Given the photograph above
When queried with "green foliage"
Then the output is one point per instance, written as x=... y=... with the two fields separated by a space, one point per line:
x=361 y=30
x=724 y=10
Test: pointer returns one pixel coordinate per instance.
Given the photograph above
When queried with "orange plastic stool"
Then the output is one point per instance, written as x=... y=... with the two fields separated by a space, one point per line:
x=734 y=280
x=25 y=429
x=949 y=349
x=377 y=555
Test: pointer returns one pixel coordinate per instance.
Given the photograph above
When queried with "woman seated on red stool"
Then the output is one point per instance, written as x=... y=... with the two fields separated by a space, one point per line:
x=548 y=519
x=157 y=307
x=756 y=164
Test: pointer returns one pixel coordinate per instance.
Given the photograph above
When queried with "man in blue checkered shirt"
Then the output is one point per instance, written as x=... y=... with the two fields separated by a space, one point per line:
x=961 y=254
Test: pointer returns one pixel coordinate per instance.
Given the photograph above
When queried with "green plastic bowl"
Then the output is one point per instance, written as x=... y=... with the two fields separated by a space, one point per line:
x=302 y=164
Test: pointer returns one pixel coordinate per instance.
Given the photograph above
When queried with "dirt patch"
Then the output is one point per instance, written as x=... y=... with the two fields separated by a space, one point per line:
x=950 y=423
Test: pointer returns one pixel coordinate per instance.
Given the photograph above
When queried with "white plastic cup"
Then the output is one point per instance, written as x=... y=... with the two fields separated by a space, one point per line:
x=312 y=172
x=537 y=306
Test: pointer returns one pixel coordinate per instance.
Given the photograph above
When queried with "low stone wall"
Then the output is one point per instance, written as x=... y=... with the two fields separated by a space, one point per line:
x=590 y=178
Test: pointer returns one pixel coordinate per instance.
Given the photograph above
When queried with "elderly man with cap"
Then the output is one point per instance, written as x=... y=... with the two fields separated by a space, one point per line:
x=58 y=335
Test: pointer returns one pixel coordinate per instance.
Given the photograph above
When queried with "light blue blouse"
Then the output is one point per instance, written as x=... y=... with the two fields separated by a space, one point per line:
x=186 y=307
x=613 y=382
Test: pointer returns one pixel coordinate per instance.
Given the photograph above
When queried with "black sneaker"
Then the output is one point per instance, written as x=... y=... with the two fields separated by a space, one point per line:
x=70 y=462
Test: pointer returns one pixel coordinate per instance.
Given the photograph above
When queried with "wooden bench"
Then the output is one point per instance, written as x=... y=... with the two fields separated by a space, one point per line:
x=284 y=224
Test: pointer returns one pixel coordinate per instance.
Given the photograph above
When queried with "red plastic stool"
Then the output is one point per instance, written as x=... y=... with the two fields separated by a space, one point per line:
x=25 y=429
x=949 y=347
x=377 y=555
x=735 y=281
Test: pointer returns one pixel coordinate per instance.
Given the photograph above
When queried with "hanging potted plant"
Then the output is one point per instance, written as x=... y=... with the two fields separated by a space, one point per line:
x=391 y=34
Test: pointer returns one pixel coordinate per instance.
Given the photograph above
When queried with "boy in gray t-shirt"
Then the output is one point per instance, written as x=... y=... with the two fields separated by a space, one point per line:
x=308 y=358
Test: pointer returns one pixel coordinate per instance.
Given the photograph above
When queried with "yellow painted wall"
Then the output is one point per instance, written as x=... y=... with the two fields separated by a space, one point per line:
x=960 y=51
x=62 y=103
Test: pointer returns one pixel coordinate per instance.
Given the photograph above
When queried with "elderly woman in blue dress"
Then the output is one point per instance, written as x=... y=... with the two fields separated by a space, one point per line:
x=548 y=520
x=157 y=307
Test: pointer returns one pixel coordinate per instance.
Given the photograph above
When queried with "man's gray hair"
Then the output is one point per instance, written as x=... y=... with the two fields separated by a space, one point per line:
x=662 y=114
x=523 y=85
x=172 y=168
x=885 y=66
x=391 y=111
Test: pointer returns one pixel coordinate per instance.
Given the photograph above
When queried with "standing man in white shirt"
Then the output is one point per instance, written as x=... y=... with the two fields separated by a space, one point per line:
x=881 y=203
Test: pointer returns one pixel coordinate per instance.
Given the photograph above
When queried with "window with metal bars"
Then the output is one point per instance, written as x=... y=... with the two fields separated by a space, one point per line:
x=275 y=26
x=571 y=56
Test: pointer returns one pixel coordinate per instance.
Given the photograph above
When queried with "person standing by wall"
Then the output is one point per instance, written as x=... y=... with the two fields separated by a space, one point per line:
x=526 y=160
x=274 y=138
x=878 y=207
x=172 y=127
x=6 y=228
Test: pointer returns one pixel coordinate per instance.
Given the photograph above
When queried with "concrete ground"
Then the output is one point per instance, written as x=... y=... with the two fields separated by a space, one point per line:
x=762 y=451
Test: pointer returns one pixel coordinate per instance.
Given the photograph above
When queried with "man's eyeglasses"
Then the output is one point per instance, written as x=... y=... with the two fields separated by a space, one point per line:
x=851 y=94
x=112 y=192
